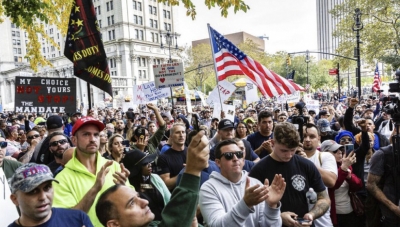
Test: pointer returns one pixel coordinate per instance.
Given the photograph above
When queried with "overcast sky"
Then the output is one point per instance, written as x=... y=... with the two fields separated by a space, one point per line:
x=291 y=25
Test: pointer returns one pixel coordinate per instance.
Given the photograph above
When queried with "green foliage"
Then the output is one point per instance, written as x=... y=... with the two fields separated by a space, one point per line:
x=381 y=33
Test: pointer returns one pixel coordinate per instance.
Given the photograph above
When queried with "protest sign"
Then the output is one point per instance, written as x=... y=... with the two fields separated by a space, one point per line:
x=8 y=211
x=138 y=95
x=224 y=89
x=251 y=92
x=292 y=98
x=152 y=93
x=168 y=75
x=187 y=94
x=229 y=111
x=313 y=105
x=45 y=95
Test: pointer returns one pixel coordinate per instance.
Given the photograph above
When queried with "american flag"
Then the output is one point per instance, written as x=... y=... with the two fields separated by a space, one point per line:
x=230 y=60
x=377 y=80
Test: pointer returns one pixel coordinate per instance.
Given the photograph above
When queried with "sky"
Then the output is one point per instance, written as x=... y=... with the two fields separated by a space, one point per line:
x=291 y=25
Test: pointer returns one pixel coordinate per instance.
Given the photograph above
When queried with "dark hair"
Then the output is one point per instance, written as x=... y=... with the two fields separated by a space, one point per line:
x=245 y=125
x=105 y=209
x=220 y=145
x=285 y=133
x=55 y=134
x=264 y=114
x=309 y=125
x=341 y=121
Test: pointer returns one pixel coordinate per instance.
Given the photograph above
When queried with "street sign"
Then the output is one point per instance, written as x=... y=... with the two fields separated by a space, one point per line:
x=333 y=72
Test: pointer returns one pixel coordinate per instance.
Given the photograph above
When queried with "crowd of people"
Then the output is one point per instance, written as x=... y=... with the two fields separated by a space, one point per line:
x=271 y=165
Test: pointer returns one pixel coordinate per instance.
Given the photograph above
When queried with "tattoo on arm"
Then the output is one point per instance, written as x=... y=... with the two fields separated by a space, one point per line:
x=322 y=205
x=372 y=187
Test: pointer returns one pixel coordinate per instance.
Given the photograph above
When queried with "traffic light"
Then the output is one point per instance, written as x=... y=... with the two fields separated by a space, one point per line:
x=288 y=61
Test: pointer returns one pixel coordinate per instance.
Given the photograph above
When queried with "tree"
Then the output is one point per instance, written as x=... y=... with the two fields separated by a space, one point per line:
x=381 y=33
x=31 y=15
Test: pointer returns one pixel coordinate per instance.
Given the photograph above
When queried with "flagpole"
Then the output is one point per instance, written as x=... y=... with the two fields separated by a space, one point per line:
x=215 y=67
x=89 y=98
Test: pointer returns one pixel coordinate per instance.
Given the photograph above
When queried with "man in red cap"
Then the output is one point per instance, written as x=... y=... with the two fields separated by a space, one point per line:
x=87 y=174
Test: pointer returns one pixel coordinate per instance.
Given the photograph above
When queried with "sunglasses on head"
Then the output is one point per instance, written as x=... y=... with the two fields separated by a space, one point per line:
x=229 y=155
x=61 y=142
x=3 y=144
x=32 y=137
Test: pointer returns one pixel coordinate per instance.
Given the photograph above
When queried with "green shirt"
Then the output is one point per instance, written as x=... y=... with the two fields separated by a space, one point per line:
x=9 y=167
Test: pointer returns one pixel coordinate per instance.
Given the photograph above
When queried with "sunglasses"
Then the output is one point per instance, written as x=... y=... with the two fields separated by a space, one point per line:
x=32 y=137
x=3 y=144
x=61 y=142
x=229 y=155
x=340 y=149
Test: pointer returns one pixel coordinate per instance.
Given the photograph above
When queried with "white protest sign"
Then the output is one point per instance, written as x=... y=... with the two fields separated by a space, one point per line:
x=229 y=111
x=307 y=97
x=313 y=105
x=152 y=93
x=251 y=93
x=217 y=111
x=281 y=99
x=201 y=95
x=168 y=75
x=187 y=95
x=8 y=211
x=295 y=97
x=225 y=90
x=138 y=95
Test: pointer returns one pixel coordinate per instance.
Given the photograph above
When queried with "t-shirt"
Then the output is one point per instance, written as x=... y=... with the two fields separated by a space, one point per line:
x=64 y=217
x=300 y=174
x=256 y=139
x=171 y=162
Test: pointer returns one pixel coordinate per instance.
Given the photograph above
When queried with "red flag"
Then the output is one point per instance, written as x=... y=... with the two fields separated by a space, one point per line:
x=84 y=46
x=377 y=80
x=230 y=60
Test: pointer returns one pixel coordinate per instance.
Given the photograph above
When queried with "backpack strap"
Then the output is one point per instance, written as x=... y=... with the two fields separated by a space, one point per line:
x=320 y=159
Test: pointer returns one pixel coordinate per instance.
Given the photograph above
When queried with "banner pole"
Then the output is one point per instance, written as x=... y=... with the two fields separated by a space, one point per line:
x=215 y=67
x=89 y=98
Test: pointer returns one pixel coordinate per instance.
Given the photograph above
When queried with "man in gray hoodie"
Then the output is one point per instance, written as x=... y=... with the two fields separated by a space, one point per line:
x=231 y=198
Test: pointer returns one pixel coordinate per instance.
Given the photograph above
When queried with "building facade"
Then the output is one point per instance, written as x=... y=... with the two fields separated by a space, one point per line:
x=132 y=33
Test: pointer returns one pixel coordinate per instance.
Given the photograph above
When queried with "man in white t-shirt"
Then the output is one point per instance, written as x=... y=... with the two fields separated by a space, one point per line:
x=325 y=163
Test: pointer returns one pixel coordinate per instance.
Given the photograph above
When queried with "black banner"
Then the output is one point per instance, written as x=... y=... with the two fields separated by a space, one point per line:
x=43 y=94
x=84 y=46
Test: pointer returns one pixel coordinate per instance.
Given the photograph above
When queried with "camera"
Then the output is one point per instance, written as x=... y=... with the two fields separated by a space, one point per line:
x=300 y=119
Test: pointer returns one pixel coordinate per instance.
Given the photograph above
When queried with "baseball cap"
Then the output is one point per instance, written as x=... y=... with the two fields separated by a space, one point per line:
x=54 y=121
x=20 y=117
x=330 y=145
x=29 y=176
x=77 y=113
x=322 y=113
x=311 y=112
x=135 y=159
x=87 y=121
x=225 y=123
x=323 y=125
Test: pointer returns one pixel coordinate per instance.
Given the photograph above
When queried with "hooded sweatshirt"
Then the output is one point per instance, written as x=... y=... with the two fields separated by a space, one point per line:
x=221 y=203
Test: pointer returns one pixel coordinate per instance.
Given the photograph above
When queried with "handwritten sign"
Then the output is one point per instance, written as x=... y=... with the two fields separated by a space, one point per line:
x=293 y=98
x=224 y=89
x=138 y=95
x=313 y=105
x=152 y=93
x=46 y=95
x=168 y=75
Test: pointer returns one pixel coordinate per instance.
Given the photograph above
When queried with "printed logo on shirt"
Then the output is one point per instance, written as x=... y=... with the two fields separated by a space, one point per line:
x=298 y=182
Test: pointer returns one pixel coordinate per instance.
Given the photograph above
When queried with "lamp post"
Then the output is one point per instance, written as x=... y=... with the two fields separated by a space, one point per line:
x=168 y=41
x=307 y=61
x=357 y=26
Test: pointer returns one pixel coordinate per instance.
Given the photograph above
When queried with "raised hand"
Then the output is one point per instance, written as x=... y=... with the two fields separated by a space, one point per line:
x=276 y=190
x=198 y=154
x=121 y=177
x=101 y=175
x=255 y=194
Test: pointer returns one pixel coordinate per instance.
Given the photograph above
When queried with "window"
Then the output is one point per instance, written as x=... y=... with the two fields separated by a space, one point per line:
x=165 y=13
x=44 y=50
x=156 y=37
x=139 y=6
x=135 y=19
x=152 y=37
x=151 y=9
x=136 y=34
x=169 y=14
x=18 y=42
x=169 y=27
x=144 y=62
x=15 y=59
x=108 y=6
x=151 y=23
x=13 y=33
x=98 y=11
x=110 y=20
x=58 y=35
x=111 y=5
x=144 y=74
x=165 y=26
x=155 y=24
x=139 y=61
x=140 y=74
x=99 y=23
x=111 y=35
x=19 y=50
x=141 y=35
x=134 y=4
x=14 y=42
x=15 y=50
x=155 y=10
x=112 y=63
x=53 y=48
x=140 y=20
x=13 y=25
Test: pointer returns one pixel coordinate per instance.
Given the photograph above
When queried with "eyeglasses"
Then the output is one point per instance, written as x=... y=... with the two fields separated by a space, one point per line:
x=3 y=144
x=229 y=155
x=32 y=137
x=61 y=142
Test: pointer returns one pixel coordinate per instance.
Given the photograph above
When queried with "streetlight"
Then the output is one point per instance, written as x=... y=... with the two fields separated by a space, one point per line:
x=357 y=26
x=307 y=61
x=168 y=41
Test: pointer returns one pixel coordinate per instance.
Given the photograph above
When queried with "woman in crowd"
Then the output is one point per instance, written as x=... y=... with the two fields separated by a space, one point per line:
x=104 y=144
x=116 y=148
x=13 y=147
x=150 y=186
x=241 y=130
x=342 y=214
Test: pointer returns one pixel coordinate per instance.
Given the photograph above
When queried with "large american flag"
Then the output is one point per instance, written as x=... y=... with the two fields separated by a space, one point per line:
x=377 y=80
x=230 y=60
